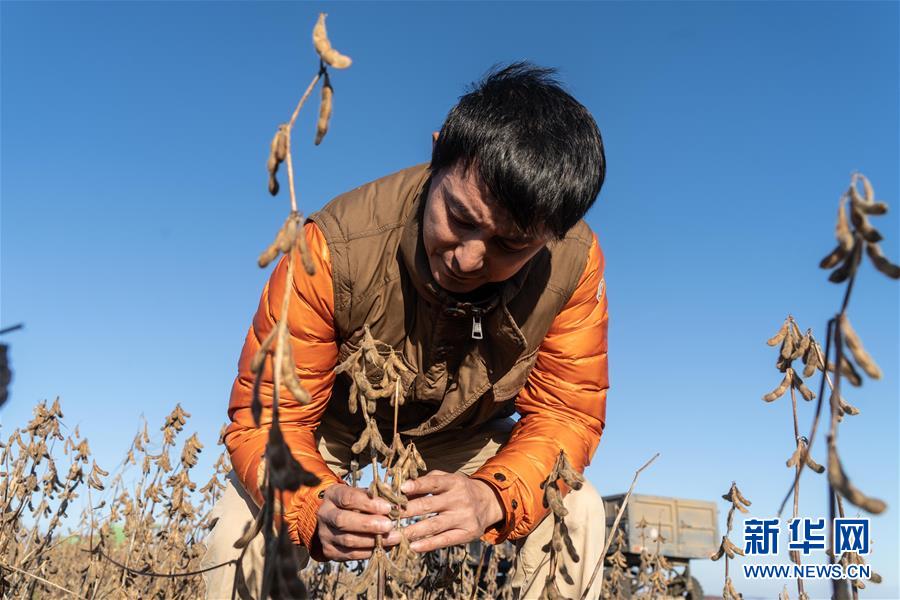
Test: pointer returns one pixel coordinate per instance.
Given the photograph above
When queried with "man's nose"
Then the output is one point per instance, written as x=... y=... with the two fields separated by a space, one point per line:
x=470 y=256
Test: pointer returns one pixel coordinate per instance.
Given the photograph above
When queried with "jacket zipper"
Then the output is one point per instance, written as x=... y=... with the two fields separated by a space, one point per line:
x=476 y=328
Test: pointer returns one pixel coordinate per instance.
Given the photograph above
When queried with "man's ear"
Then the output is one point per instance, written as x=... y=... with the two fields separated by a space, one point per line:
x=434 y=137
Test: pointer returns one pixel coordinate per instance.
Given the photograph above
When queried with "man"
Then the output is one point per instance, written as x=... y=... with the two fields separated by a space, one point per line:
x=480 y=272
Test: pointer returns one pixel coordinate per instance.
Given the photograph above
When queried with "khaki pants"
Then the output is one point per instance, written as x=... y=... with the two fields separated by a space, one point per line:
x=450 y=452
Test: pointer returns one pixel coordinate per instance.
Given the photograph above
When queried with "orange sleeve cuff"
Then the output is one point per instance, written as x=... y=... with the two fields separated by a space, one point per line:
x=500 y=479
x=302 y=516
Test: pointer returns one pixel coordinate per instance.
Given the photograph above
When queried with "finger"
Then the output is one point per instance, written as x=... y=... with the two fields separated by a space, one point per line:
x=347 y=521
x=413 y=496
x=391 y=539
x=353 y=541
x=432 y=483
x=442 y=540
x=357 y=541
x=429 y=527
x=343 y=554
x=425 y=505
x=351 y=498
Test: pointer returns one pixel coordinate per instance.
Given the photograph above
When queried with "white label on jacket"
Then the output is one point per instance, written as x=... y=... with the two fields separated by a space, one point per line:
x=601 y=288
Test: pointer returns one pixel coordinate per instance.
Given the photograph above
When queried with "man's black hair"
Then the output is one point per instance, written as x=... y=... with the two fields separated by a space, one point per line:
x=538 y=150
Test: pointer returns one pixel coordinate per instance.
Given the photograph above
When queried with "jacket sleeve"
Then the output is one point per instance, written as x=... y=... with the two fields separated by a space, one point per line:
x=311 y=327
x=562 y=406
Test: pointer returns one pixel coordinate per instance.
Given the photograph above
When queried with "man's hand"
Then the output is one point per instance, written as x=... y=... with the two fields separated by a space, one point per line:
x=348 y=522
x=465 y=508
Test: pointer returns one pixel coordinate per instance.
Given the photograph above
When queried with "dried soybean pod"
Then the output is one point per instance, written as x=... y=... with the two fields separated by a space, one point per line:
x=277 y=153
x=556 y=503
x=727 y=545
x=802 y=349
x=787 y=346
x=384 y=490
x=782 y=387
x=736 y=498
x=377 y=440
x=820 y=355
x=718 y=553
x=324 y=111
x=867 y=187
x=277 y=148
x=847 y=408
x=362 y=442
x=776 y=339
x=801 y=387
x=861 y=222
x=841 y=483
x=288 y=235
x=838 y=254
x=251 y=529
x=781 y=363
x=320 y=35
x=875 y=208
x=814 y=465
x=810 y=360
x=343 y=367
x=362 y=385
x=842 y=229
x=734 y=549
x=798 y=342
x=272 y=161
x=270 y=253
x=850 y=372
x=729 y=587
x=323 y=46
x=420 y=462
x=283 y=137
x=260 y=356
x=863 y=358
x=390 y=368
x=267 y=256
x=573 y=552
x=881 y=263
x=308 y=265
x=352 y=398
x=741 y=497
x=557 y=543
x=848 y=268
x=853 y=192
x=289 y=374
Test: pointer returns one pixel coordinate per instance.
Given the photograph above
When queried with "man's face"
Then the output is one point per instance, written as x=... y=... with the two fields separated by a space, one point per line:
x=469 y=238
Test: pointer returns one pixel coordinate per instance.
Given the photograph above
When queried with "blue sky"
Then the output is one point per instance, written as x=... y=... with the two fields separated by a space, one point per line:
x=134 y=204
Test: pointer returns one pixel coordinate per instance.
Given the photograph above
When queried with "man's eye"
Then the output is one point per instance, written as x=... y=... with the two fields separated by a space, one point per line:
x=510 y=247
x=460 y=223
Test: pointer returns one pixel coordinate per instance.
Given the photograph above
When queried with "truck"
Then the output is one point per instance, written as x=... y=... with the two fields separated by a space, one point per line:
x=682 y=529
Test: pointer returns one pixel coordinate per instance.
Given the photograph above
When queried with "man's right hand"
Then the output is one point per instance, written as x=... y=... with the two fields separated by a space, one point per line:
x=348 y=521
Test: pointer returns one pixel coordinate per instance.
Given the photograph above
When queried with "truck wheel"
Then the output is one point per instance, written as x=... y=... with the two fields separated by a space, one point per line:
x=696 y=591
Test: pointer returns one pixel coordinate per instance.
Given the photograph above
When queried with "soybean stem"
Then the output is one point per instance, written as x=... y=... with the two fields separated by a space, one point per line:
x=290 y=127
x=615 y=526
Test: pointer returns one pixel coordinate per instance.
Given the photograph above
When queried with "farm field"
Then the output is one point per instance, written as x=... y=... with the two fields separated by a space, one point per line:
x=156 y=181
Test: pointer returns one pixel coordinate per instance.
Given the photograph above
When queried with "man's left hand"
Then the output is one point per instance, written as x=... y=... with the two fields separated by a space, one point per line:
x=460 y=510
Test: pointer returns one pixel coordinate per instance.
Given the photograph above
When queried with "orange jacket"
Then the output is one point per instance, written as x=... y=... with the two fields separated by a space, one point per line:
x=562 y=406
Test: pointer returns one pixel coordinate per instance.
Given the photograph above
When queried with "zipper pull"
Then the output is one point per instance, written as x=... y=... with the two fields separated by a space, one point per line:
x=476 y=328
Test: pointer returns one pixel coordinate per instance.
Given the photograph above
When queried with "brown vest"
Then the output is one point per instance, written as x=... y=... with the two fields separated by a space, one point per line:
x=382 y=278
